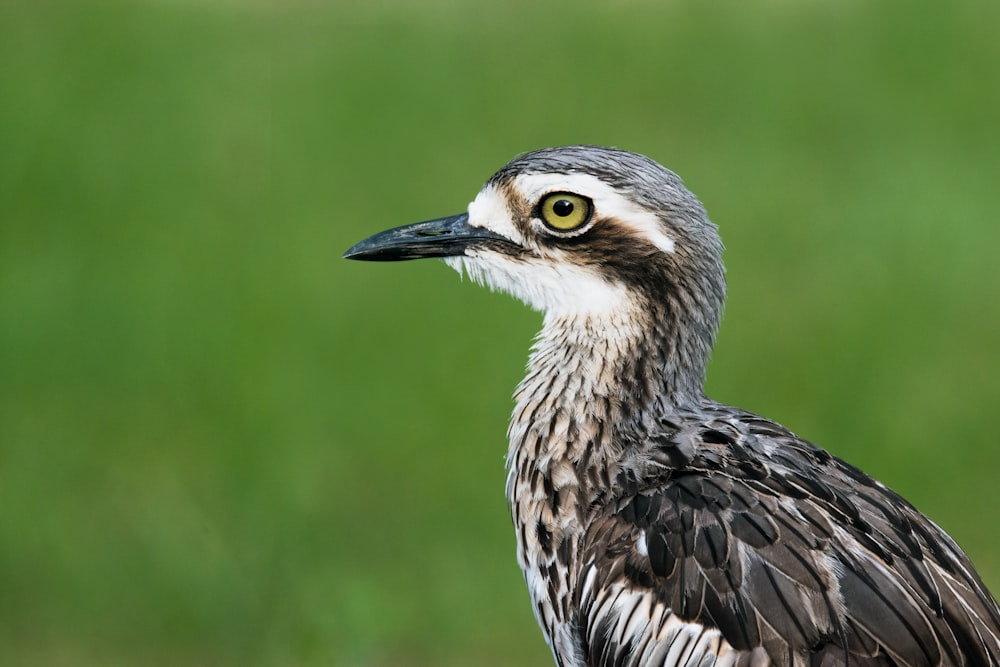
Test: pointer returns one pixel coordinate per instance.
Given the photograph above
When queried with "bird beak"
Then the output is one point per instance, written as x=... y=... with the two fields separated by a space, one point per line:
x=444 y=237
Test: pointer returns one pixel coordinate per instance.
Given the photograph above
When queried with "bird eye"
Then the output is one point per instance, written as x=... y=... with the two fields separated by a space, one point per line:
x=564 y=211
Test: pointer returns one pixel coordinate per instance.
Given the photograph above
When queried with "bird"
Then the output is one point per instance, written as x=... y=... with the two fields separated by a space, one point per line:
x=654 y=525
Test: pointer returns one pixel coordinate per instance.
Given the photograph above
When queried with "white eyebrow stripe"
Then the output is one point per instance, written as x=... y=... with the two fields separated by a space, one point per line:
x=608 y=202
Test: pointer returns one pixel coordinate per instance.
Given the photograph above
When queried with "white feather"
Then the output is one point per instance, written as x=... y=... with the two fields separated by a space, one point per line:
x=489 y=210
x=554 y=289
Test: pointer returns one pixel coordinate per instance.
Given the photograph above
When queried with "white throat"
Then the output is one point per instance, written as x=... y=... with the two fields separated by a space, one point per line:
x=559 y=290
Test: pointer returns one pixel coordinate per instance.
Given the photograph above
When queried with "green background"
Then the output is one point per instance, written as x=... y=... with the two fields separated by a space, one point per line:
x=222 y=444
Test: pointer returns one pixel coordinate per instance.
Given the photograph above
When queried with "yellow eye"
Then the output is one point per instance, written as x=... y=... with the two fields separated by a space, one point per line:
x=564 y=211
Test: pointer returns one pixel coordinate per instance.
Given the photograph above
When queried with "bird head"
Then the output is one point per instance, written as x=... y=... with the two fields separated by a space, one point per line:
x=584 y=233
x=575 y=230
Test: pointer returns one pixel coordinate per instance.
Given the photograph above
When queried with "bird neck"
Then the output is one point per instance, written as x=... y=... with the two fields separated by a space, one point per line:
x=596 y=382
x=595 y=385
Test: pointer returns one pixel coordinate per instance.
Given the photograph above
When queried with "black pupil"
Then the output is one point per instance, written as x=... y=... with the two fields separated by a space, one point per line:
x=562 y=208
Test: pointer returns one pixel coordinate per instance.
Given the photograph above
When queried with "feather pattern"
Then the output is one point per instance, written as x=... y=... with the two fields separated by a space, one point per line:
x=656 y=527
x=781 y=548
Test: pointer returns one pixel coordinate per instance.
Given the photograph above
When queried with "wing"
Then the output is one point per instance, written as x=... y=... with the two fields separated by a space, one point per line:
x=737 y=543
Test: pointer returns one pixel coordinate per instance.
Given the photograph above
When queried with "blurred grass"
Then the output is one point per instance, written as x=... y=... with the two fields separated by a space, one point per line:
x=222 y=445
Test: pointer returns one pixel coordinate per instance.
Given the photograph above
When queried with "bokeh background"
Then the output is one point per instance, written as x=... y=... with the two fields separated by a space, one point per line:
x=221 y=444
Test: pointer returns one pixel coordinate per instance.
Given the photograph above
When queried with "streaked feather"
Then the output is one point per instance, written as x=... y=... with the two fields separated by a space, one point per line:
x=656 y=527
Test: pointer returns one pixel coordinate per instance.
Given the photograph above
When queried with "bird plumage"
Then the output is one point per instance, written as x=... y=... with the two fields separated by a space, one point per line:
x=654 y=525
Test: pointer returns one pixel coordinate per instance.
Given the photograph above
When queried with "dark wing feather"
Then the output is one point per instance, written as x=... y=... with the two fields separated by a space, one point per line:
x=768 y=550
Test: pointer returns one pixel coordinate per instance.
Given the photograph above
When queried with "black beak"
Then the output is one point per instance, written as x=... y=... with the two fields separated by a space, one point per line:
x=444 y=237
